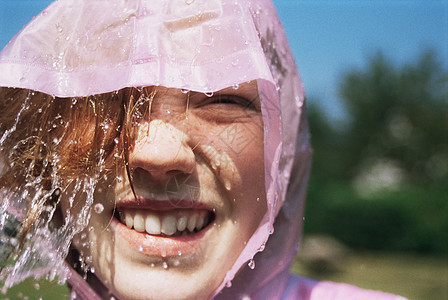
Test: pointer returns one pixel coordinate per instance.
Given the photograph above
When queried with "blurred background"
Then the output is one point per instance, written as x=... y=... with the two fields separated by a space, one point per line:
x=376 y=76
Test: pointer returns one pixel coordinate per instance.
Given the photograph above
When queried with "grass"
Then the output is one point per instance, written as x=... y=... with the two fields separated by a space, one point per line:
x=414 y=277
x=411 y=276
x=32 y=289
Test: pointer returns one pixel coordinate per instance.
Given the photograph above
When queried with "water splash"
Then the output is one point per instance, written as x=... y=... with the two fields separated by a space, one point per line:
x=45 y=246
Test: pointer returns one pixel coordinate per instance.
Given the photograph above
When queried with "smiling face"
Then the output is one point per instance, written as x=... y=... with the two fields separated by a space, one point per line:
x=196 y=197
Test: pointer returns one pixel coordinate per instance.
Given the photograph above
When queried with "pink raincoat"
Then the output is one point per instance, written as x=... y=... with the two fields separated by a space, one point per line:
x=85 y=47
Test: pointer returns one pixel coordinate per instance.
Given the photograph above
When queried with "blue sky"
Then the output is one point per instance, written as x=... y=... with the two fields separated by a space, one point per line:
x=327 y=37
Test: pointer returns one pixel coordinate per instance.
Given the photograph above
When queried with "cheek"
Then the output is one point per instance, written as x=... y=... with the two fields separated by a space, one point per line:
x=250 y=205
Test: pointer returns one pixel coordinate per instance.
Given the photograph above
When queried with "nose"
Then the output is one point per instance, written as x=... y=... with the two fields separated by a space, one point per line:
x=159 y=153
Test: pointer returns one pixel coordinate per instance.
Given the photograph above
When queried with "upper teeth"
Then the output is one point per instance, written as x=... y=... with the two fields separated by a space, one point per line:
x=167 y=223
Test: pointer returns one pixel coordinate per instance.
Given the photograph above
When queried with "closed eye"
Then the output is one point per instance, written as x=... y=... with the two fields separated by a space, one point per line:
x=236 y=100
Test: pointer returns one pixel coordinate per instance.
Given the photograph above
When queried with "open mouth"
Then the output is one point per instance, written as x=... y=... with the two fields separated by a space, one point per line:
x=168 y=223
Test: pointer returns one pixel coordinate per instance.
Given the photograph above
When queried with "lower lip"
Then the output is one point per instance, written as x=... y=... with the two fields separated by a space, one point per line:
x=160 y=246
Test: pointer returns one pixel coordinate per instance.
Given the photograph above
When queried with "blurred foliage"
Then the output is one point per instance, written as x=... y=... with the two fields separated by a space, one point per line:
x=379 y=180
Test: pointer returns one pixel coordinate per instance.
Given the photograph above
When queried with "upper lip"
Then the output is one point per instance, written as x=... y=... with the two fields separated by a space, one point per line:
x=161 y=204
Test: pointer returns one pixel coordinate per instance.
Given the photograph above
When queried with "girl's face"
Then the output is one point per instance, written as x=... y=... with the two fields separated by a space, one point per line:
x=196 y=164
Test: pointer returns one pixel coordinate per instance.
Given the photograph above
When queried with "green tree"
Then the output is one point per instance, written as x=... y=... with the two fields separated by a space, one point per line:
x=398 y=115
x=379 y=181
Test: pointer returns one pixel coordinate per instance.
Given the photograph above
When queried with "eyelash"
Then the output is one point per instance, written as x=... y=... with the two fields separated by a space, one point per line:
x=232 y=99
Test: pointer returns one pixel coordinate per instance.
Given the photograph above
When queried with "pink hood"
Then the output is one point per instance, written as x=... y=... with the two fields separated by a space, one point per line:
x=85 y=47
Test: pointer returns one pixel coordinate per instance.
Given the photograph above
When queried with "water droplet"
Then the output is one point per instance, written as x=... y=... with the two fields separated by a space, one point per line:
x=245 y=297
x=36 y=286
x=262 y=247
x=168 y=111
x=140 y=248
x=251 y=264
x=235 y=86
x=116 y=140
x=98 y=208
x=179 y=253
x=209 y=94
x=59 y=28
x=235 y=62
x=73 y=295
x=152 y=265
x=184 y=91
x=119 y=179
x=92 y=270
x=188 y=2
x=106 y=126
x=74 y=100
x=258 y=199
x=228 y=284
x=165 y=265
x=227 y=185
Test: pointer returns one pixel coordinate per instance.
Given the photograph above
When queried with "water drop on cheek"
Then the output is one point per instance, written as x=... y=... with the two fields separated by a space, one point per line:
x=98 y=208
x=140 y=248
x=227 y=185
